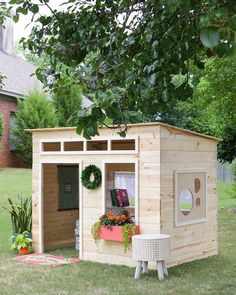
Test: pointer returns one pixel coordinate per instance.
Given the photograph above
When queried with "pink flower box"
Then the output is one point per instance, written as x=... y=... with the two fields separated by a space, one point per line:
x=114 y=233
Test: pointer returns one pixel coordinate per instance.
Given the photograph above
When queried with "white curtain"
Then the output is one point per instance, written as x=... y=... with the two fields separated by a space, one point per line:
x=126 y=180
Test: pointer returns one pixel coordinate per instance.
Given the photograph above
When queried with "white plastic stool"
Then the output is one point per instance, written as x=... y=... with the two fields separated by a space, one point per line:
x=151 y=248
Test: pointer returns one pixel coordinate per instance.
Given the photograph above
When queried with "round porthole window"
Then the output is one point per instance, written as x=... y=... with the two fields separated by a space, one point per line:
x=197 y=185
x=185 y=201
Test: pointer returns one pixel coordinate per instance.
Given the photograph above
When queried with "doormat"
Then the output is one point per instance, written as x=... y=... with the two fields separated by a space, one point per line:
x=46 y=259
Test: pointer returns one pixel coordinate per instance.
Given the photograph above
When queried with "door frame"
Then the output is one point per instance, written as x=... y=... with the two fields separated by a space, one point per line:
x=40 y=200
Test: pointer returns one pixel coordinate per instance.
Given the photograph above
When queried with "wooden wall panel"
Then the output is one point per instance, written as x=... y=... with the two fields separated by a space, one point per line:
x=186 y=151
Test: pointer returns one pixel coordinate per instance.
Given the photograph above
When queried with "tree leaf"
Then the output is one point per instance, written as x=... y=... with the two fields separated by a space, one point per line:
x=210 y=37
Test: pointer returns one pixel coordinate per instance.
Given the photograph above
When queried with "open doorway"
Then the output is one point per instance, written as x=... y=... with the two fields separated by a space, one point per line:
x=60 y=204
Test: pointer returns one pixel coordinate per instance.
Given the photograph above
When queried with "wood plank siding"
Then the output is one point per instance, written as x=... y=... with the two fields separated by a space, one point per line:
x=161 y=150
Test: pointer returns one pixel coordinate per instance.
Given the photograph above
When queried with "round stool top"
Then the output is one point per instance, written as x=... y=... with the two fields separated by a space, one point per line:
x=151 y=247
x=151 y=237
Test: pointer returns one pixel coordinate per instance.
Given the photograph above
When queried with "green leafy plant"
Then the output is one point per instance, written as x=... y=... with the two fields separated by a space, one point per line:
x=22 y=241
x=137 y=46
x=21 y=214
x=127 y=231
x=35 y=111
x=67 y=100
x=96 y=231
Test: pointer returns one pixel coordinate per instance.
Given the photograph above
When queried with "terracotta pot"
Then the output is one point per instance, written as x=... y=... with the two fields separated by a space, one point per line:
x=114 y=233
x=23 y=251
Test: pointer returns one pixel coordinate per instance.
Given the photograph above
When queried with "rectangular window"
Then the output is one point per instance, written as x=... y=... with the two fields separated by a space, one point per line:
x=97 y=145
x=120 y=189
x=73 y=146
x=68 y=187
x=12 y=136
x=51 y=146
x=123 y=145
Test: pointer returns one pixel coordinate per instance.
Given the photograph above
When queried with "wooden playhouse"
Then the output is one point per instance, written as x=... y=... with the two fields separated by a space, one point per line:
x=171 y=174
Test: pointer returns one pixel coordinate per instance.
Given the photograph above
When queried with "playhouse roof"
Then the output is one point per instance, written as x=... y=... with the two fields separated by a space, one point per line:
x=132 y=125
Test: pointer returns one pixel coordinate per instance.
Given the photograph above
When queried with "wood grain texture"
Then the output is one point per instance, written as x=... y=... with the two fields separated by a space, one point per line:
x=161 y=150
x=183 y=151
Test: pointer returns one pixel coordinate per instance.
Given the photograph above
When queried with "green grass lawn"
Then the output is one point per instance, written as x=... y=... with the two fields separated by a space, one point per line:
x=215 y=275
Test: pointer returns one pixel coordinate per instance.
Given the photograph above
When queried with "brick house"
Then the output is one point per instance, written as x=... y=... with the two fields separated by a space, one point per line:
x=17 y=83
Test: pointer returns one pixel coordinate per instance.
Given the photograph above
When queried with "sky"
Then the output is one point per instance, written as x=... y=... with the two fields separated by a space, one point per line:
x=22 y=30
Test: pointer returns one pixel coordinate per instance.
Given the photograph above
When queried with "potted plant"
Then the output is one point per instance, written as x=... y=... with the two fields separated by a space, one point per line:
x=115 y=228
x=21 y=216
x=22 y=243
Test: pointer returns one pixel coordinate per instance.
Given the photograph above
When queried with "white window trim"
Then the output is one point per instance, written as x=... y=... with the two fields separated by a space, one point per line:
x=108 y=151
x=176 y=207
x=136 y=163
x=40 y=200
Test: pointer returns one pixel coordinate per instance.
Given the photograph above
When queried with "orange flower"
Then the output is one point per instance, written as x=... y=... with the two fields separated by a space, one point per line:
x=112 y=217
x=122 y=216
x=101 y=218
x=117 y=217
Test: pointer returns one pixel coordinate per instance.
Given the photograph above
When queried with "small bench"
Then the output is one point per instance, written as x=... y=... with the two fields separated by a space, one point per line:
x=151 y=248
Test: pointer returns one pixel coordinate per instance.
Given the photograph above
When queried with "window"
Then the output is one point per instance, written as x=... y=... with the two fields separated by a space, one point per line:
x=12 y=136
x=97 y=145
x=190 y=197
x=68 y=187
x=73 y=146
x=120 y=189
x=123 y=145
x=126 y=180
x=185 y=201
x=51 y=146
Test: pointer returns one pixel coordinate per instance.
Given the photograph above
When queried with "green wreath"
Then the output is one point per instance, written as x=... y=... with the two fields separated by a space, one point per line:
x=85 y=177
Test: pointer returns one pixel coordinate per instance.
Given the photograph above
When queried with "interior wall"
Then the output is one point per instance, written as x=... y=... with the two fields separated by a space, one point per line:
x=58 y=226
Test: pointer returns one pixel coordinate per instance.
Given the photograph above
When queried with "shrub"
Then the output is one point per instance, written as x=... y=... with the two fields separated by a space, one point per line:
x=21 y=214
x=35 y=111
x=67 y=100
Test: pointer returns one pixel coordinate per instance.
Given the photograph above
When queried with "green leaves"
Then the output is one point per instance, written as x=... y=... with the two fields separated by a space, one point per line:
x=210 y=37
x=21 y=214
x=35 y=111
x=139 y=53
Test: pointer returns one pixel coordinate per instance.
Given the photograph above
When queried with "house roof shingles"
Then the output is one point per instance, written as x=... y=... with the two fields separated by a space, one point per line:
x=19 y=79
x=18 y=75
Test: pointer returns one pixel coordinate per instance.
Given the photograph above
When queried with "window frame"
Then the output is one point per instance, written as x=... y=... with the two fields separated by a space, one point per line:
x=85 y=151
x=178 y=223
x=136 y=166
